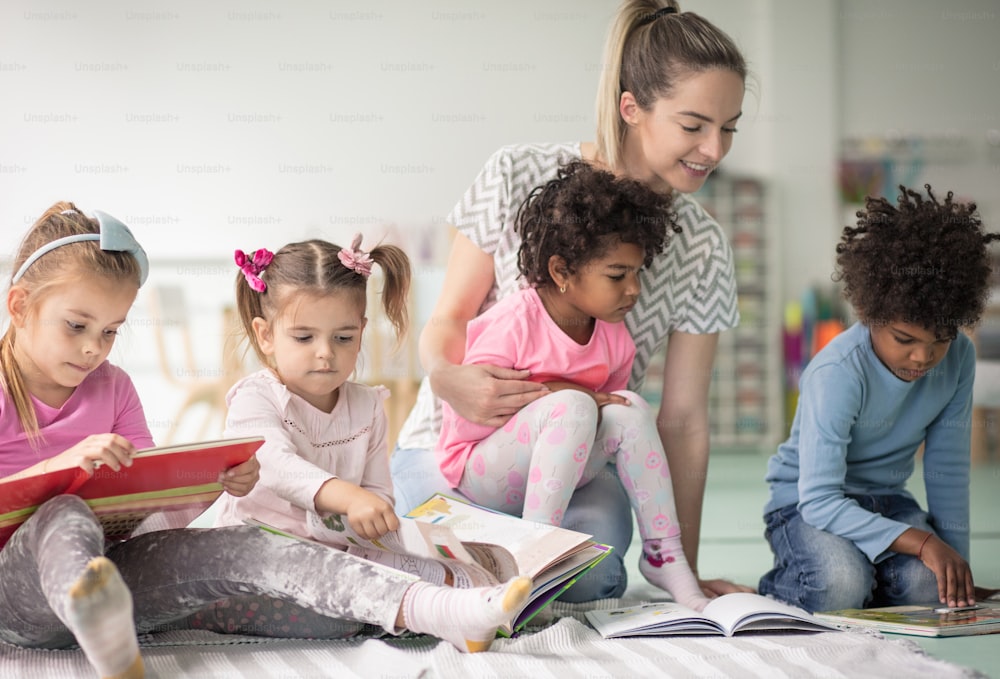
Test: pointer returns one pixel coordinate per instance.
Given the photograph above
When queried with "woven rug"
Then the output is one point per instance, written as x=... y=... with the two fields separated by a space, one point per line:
x=566 y=649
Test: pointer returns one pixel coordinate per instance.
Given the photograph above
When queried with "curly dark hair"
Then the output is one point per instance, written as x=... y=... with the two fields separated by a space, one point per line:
x=583 y=212
x=924 y=262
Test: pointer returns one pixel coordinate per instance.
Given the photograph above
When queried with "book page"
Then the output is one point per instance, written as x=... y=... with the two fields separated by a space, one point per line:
x=199 y=445
x=412 y=537
x=535 y=546
x=651 y=619
x=745 y=611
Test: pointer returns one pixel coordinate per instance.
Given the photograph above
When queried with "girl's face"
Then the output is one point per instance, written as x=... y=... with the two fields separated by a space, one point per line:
x=681 y=139
x=314 y=344
x=606 y=288
x=69 y=333
x=908 y=351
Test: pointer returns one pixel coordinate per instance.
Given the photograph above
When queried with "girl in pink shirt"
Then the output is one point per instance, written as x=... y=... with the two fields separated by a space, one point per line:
x=586 y=236
x=325 y=456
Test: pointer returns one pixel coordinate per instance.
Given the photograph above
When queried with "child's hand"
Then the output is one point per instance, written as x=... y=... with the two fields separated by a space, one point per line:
x=111 y=449
x=370 y=516
x=954 y=577
x=240 y=480
x=602 y=399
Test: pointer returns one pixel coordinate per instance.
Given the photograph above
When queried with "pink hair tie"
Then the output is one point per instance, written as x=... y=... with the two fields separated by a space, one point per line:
x=356 y=260
x=253 y=265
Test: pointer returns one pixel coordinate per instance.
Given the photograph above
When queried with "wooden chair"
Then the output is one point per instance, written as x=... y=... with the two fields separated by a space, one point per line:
x=202 y=386
x=385 y=363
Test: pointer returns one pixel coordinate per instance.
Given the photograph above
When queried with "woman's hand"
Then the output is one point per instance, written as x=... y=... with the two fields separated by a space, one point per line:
x=601 y=398
x=112 y=450
x=485 y=394
x=718 y=587
x=240 y=480
x=954 y=577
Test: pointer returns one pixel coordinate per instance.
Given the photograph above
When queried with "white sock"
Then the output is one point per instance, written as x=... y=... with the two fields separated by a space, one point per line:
x=663 y=564
x=468 y=618
x=100 y=616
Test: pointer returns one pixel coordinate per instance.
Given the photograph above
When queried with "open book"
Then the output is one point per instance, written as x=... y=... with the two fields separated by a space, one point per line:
x=726 y=615
x=920 y=620
x=477 y=546
x=168 y=478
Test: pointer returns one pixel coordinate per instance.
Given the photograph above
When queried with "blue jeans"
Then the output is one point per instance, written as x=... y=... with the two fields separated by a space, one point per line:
x=820 y=571
x=600 y=508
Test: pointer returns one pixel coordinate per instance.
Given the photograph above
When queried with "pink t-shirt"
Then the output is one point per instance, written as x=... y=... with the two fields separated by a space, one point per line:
x=105 y=402
x=517 y=332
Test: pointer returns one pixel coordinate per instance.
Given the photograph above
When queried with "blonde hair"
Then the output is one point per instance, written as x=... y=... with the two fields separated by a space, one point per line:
x=647 y=56
x=313 y=267
x=53 y=269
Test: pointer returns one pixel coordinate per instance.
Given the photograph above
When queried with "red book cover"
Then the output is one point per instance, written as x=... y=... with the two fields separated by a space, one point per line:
x=160 y=479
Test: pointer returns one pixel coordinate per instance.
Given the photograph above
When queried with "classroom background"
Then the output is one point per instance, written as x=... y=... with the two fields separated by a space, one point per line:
x=209 y=127
x=250 y=124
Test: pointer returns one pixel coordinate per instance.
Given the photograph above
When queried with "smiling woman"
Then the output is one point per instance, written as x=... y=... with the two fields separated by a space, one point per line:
x=670 y=93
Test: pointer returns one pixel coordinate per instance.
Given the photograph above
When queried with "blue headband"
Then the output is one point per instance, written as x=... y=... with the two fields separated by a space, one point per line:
x=114 y=237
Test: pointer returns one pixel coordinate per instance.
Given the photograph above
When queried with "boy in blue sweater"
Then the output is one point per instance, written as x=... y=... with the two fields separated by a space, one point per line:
x=844 y=531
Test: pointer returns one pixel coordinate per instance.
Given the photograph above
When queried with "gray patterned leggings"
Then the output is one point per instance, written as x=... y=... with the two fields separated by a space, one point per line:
x=234 y=579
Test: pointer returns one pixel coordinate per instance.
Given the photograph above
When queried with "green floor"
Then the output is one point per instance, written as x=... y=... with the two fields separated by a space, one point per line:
x=733 y=546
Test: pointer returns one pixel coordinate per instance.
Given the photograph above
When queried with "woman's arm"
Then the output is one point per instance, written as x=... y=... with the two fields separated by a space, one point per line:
x=479 y=393
x=684 y=432
x=684 y=429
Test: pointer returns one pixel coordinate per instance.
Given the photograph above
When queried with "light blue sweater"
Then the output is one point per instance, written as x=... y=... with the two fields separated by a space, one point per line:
x=856 y=431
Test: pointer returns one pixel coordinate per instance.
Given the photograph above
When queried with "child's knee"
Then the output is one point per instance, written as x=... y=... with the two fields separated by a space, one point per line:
x=636 y=411
x=844 y=588
x=568 y=405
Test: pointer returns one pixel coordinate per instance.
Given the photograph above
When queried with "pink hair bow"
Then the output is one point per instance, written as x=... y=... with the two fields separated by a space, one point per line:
x=253 y=265
x=356 y=260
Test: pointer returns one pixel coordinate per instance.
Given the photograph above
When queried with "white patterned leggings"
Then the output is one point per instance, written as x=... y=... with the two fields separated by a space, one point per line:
x=531 y=466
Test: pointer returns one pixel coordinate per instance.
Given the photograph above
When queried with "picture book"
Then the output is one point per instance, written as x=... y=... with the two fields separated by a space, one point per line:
x=729 y=614
x=553 y=557
x=920 y=621
x=167 y=478
x=477 y=546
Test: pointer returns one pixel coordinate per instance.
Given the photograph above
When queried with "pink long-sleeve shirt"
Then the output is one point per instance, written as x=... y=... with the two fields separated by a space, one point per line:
x=517 y=332
x=105 y=402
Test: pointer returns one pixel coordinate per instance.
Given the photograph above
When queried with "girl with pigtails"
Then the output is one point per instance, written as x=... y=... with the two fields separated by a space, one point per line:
x=302 y=310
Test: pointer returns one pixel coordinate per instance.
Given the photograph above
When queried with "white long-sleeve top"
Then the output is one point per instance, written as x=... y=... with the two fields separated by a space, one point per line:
x=304 y=448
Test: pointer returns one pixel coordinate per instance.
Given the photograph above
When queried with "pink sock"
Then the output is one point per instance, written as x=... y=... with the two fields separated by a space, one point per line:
x=468 y=618
x=663 y=564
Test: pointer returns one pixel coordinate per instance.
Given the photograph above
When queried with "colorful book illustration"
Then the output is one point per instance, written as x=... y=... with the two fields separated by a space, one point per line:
x=729 y=614
x=168 y=478
x=478 y=547
x=920 y=621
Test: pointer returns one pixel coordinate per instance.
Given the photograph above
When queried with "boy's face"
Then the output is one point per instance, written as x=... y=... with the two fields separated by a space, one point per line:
x=908 y=351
